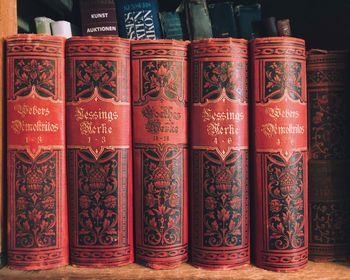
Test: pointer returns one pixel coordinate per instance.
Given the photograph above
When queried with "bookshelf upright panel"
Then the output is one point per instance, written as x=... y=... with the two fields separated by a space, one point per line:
x=8 y=23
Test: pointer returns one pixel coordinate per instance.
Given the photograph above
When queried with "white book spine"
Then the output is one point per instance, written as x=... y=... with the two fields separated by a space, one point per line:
x=61 y=28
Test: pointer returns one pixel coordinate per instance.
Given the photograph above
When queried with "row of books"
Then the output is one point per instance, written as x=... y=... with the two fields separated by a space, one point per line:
x=48 y=26
x=115 y=134
x=141 y=19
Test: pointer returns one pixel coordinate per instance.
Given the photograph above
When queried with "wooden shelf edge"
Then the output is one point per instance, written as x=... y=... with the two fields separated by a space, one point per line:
x=8 y=26
x=185 y=271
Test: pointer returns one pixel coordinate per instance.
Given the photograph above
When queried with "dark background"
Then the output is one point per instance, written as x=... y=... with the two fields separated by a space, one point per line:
x=322 y=23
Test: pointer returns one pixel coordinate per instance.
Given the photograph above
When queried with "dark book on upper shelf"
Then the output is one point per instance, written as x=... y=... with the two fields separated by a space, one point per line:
x=138 y=19
x=270 y=27
x=98 y=17
x=198 y=21
x=173 y=25
x=248 y=17
x=283 y=27
x=222 y=16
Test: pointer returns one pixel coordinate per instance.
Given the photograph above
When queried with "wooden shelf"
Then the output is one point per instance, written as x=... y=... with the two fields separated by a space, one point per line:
x=8 y=26
x=185 y=271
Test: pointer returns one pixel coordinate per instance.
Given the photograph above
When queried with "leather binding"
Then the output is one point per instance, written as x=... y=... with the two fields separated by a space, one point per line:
x=98 y=17
x=99 y=151
x=198 y=20
x=219 y=154
x=160 y=122
x=173 y=25
x=223 y=21
x=270 y=27
x=328 y=210
x=283 y=27
x=328 y=92
x=138 y=19
x=247 y=17
x=36 y=155
x=280 y=153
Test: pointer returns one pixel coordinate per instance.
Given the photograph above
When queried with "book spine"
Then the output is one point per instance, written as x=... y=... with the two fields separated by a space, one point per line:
x=270 y=27
x=329 y=155
x=42 y=25
x=219 y=154
x=280 y=153
x=283 y=27
x=138 y=19
x=173 y=25
x=249 y=20
x=198 y=20
x=99 y=151
x=36 y=154
x=160 y=152
x=328 y=210
x=98 y=17
x=223 y=21
x=61 y=28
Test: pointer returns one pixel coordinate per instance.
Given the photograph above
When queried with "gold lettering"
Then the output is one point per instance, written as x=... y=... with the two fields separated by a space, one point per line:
x=270 y=129
x=162 y=121
x=99 y=115
x=215 y=129
x=277 y=113
x=89 y=128
x=210 y=115
x=87 y=119
x=19 y=126
x=26 y=110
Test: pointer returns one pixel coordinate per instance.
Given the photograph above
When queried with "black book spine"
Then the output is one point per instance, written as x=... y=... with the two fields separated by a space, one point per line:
x=198 y=20
x=98 y=17
x=223 y=20
x=270 y=27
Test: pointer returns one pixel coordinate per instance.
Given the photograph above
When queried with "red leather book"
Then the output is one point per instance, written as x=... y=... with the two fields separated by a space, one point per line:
x=329 y=100
x=160 y=152
x=280 y=153
x=219 y=154
x=99 y=151
x=36 y=154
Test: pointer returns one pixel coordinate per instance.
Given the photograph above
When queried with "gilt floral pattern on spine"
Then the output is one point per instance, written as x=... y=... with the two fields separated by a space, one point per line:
x=37 y=222
x=280 y=153
x=160 y=152
x=219 y=153
x=328 y=91
x=99 y=151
